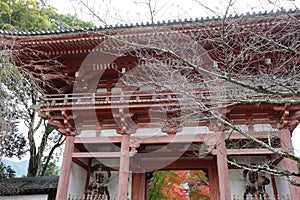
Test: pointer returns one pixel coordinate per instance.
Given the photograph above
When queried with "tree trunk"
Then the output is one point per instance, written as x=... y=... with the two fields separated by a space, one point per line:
x=32 y=166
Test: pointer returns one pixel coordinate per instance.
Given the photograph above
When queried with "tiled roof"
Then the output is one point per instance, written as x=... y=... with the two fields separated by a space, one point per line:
x=31 y=185
x=120 y=26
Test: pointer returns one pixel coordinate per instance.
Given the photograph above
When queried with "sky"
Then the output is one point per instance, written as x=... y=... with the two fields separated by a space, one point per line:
x=132 y=11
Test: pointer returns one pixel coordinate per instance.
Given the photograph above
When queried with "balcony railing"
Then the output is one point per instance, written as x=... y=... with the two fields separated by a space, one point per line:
x=207 y=97
x=265 y=197
x=88 y=197
x=107 y=98
x=234 y=197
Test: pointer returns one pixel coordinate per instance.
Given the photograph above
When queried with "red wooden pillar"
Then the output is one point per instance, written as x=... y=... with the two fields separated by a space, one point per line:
x=213 y=182
x=290 y=165
x=124 y=168
x=274 y=187
x=222 y=168
x=88 y=173
x=64 y=177
x=138 y=186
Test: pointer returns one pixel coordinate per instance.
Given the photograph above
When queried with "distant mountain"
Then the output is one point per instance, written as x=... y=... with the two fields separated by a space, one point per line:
x=19 y=166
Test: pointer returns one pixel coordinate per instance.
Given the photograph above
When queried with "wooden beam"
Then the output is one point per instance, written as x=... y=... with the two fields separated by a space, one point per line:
x=80 y=163
x=281 y=107
x=63 y=183
x=124 y=168
x=103 y=106
x=178 y=164
x=166 y=139
x=96 y=155
x=99 y=154
x=187 y=138
x=256 y=134
x=97 y=140
x=248 y=152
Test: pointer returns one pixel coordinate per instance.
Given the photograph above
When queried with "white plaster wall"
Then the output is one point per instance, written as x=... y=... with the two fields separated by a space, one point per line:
x=243 y=127
x=282 y=184
x=26 y=197
x=147 y=132
x=77 y=180
x=263 y=127
x=236 y=181
x=113 y=185
x=130 y=185
x=256 y=127
x=87 y=133
x=248 y=159
x=185 y=130
x=195 y=130
x=111 y=163
x=109 y=132
x=92 y=133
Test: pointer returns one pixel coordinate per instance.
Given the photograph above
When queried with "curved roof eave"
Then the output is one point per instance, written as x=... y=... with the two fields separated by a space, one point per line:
x=100 y=29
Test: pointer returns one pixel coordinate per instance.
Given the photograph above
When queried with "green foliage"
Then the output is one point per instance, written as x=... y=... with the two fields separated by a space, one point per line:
x=23 y=15
x=17 y=95
x=52 y=169
x=6 y=171
x=156 y=184
x=59 y=21
x=178 y=185
x=12 y=143
x=34 y=15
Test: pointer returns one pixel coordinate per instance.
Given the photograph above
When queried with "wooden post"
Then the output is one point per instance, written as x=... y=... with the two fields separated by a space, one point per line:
x=290 y=165
x=138 y=186
x=64 y=177
x=222 y=166
x=275 y=191
x=213 y=182
x=88 y=174
x=124 y=168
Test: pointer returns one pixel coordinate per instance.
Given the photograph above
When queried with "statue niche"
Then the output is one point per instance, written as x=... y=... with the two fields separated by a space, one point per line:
x=97 y=188
x=255 y=184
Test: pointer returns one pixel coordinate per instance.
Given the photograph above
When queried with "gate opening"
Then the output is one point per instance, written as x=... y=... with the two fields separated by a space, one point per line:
x=178 y=185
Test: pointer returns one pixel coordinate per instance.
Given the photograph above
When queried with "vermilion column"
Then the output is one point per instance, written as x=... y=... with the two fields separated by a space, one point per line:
x=64 y=177
x=213 y=182
x=124 y=168
x=222 y=168
x=290 y=165
x=138 y=186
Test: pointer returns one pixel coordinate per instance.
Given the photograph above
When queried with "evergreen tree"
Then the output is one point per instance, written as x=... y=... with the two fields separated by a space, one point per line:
x=17 y=95
x=6 y=171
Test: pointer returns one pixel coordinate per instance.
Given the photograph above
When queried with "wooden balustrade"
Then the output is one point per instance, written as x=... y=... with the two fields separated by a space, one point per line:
x=265 y=197
x=88 y=197
x=129 y=97
x=234 y=197
x=126 y=97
